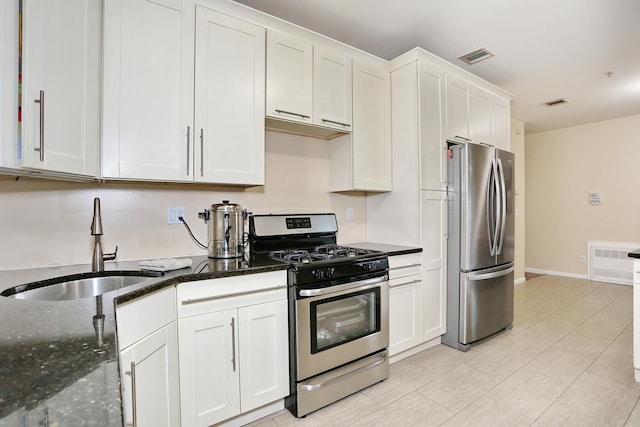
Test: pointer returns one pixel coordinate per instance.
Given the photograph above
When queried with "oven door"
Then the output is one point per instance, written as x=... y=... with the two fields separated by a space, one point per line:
x=341 y=323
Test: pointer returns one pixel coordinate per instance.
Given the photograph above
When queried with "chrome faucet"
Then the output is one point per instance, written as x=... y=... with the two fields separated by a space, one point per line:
x=97 y=263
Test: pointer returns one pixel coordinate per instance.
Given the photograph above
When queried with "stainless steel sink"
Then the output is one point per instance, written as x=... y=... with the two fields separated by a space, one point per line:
x=77 y=286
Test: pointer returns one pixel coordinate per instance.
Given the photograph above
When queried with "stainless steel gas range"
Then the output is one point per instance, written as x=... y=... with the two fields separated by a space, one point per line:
x=338 y=308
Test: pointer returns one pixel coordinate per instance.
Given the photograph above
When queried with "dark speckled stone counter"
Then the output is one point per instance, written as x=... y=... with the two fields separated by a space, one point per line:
x=52 y=359
x=51 y=356
x=391 y=250
x=634 y=254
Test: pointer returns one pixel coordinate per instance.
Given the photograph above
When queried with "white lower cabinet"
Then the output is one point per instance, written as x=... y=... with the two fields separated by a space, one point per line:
x=233 y=346
x=404 y=302
x=150 y=380
x=434 y=263
x=148 y=346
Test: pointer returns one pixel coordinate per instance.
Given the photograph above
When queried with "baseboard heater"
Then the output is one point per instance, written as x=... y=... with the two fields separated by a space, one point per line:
x=610 y=262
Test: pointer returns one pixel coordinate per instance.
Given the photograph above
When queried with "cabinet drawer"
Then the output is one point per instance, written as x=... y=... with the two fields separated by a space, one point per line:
x=407 y=280
x=206 y=296
x=138 y=318
x=405 y=260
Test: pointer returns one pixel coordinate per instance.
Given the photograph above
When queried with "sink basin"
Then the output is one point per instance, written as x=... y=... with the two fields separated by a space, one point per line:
x=78 y=286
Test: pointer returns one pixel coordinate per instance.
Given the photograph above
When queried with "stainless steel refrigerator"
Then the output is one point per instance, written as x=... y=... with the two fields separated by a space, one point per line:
x=480 y=243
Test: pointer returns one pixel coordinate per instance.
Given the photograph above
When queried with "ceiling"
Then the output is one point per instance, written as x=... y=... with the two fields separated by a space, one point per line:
x=544 y=49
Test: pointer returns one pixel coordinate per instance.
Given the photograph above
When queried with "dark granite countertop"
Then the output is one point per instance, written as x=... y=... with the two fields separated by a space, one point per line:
x=391 y=250
x=51 y=356
x=634 y=254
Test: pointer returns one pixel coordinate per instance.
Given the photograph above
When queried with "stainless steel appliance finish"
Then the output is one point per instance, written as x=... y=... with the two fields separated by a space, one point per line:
x=226 y=230
x=338 y=308
x=99 y=257
x=480 y=245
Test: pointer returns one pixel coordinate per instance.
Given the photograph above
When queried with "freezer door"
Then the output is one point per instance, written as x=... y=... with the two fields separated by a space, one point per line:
x=486 y=303
x=477 y=216
x=505 y=161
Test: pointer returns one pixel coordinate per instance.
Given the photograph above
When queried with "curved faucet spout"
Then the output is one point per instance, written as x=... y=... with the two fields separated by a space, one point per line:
x=97 y=262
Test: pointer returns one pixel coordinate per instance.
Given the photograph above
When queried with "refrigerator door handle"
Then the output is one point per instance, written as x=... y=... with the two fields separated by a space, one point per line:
x=490 y=211
x=493 y=208
x=492 y=275
x=503 y=197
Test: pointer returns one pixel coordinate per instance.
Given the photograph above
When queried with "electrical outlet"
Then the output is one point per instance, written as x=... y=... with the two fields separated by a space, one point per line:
x=583 y=259
x=349 y=214
x=173 y=214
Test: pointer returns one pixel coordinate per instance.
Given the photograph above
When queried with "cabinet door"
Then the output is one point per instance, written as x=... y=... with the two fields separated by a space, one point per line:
x=404 y=313
x=209 y=368
x=229 y=96
x=9 y=143
x=332 y=89
x=61 y=87
x=501 y=112
x=482 y=116
x=148 y=90
x=289 y=78
x=264 y=348
x=371 y=135
x=149 y=370
x=457 y=116
x=433 y=173
x=434 y=244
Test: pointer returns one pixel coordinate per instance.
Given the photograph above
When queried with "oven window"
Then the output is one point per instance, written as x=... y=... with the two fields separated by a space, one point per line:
x=344 y=318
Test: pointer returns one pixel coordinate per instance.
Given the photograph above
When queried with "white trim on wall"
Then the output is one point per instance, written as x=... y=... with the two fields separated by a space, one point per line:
x=519 y=281
x=556 y=273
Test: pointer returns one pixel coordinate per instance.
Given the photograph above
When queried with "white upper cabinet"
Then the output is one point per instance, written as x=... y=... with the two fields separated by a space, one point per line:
x=362 y=160
x=229 y=99
x=148 y=90
x=501 y=115
x=289 y=78
x=9 y=142
x=61 y=85
x=458 y=109
x=491 y=119
x=332 y=90
x=433 y=171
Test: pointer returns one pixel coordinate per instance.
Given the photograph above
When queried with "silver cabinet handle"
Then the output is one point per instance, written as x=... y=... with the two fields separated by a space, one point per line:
x=225 y=296
x=45 y=420
x=336 y=123
x=40 y=148
x=293 y=114
x=233 y=343
x=201 y=152
x=134 y=410
x=188 y=144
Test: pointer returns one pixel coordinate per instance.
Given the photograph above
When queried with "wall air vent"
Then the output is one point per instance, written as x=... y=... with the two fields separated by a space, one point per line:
x=475 y=56
x=556 y=102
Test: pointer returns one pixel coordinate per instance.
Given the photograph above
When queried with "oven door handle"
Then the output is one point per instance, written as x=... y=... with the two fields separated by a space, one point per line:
x=359 y=285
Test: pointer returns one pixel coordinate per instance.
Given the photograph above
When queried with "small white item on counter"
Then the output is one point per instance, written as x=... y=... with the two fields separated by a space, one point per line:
x=165 y=264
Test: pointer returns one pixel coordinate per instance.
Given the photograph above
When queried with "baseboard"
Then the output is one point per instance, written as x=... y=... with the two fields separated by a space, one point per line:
x=556 y=273
x=519 y=281
x=414 y=350
x=257 y=414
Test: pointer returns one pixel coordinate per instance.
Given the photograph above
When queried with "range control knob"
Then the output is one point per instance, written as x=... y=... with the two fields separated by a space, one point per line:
x=368 y=266
x=323 y=273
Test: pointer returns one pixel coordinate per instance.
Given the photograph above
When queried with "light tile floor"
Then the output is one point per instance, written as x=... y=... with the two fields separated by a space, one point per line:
x=566 y=362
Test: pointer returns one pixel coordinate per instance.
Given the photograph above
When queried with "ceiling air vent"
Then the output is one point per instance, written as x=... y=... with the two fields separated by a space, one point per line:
x=475 y=56
x=556 y=102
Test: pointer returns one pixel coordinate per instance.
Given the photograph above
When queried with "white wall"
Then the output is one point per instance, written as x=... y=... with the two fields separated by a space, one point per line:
x=46 y=223
x=562 y=166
